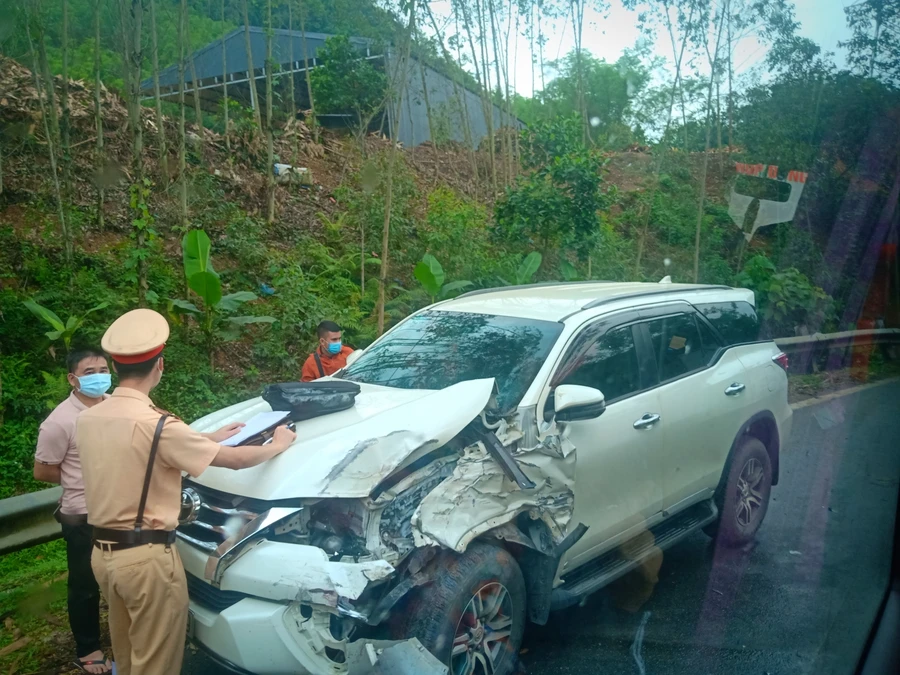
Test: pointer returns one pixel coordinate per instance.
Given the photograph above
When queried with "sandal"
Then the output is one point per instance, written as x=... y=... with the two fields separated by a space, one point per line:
x=110 y=665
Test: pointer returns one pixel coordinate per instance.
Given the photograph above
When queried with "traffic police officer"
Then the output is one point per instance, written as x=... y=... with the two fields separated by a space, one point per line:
x=132 y=456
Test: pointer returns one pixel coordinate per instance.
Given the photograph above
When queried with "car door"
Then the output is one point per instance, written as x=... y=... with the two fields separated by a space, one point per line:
x=617 y=486
x=704 y=398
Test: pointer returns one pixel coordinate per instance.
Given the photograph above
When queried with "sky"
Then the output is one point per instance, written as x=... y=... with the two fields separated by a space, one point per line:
x=607 y=36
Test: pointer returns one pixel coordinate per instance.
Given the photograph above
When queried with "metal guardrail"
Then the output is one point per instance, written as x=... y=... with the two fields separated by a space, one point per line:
x=27 y=520
x=832 y=351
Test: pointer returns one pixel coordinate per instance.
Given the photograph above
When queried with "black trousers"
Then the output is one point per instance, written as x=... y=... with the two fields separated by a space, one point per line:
x=84 y=594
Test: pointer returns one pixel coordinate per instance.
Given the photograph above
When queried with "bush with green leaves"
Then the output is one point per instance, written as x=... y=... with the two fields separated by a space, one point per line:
x=556 y=204
x=456 y=230
x=215 y=319
x=785 y=299
x=64 y=331
x=345 y=81
x=431 y=276
x=525 y=270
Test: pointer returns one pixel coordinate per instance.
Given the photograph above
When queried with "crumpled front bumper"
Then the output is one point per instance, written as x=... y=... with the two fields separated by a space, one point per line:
x=286 y=596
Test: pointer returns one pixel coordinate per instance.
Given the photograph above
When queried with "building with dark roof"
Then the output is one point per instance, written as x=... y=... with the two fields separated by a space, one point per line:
x=457 y=112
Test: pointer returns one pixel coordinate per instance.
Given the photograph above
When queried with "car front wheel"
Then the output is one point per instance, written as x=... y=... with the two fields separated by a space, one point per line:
x=472 y=616
x=745 y=498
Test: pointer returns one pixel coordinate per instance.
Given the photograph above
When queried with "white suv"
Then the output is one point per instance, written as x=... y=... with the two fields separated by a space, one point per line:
x=510 y=452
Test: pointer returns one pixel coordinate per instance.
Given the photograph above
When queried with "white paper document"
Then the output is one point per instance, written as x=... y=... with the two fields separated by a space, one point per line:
x=259 y=422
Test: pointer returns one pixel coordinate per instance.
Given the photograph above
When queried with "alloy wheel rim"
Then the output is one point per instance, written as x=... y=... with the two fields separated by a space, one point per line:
x=483 y=631
x=749 y=497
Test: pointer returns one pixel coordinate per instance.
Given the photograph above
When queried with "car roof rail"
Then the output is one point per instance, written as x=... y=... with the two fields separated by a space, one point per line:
x=660 y=291
x=543 y=284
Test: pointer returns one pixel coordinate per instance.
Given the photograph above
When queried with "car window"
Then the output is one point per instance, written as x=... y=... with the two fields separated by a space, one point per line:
x=737 y=322
x=709 y=342
x=609 y=364
x=434 y=350
x=676 y=345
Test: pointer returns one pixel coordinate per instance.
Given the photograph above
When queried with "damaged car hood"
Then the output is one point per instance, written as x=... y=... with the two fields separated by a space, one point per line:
x=348 y=453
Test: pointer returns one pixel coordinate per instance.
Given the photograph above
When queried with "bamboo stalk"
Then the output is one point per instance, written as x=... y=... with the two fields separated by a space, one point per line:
x=98 y=115
x=51 y=144
x=251 y=72
x=312 y=104
x=195 y=86
x=225 y=85
x=270 y=169
x=389 y=178
x=714 y=61
x=182 y=151
x=160 y=123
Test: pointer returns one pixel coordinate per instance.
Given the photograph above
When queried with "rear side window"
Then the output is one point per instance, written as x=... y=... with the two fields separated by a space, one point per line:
x=736 y=322
x=677 y=346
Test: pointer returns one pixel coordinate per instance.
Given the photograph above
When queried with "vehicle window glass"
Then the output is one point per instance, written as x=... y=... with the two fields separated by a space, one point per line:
x=434 y=350
x=677 y=346
x=608 y=364
x=708 y=341
x=737 y=322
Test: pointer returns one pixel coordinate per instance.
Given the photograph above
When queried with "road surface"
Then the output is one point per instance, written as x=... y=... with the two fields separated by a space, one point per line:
x=800 y=600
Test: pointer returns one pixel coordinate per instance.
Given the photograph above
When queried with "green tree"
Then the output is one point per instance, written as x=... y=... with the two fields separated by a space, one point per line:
x=346 y=82
x=610 y=91
x=556 y=203
x=874 y=48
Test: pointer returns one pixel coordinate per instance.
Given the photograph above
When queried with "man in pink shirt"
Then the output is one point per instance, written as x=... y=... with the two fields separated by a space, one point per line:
x=56 y=461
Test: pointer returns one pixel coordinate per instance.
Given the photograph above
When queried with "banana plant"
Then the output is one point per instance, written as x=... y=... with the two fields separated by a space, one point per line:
x=214 y=316
x=431 y=276
x=526 y=270
x=61 y=330
x=568 y=271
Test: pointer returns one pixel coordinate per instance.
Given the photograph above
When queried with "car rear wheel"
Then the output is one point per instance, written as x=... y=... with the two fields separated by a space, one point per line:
x=472 y=616
x=745 y=498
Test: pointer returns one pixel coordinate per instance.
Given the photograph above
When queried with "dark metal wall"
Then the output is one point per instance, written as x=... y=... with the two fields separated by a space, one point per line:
x=457 y=113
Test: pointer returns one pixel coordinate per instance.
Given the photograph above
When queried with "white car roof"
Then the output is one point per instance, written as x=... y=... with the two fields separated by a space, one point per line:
x=556 y=301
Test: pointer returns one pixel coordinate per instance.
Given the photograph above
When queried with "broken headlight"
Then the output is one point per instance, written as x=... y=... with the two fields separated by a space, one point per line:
x=334 y=525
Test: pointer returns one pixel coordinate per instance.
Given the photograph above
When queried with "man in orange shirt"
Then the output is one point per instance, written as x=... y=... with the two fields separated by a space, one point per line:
x=330 y=356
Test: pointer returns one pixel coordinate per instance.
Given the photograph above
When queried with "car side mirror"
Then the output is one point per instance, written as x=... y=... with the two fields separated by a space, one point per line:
x=574 y=402
x=353 y=357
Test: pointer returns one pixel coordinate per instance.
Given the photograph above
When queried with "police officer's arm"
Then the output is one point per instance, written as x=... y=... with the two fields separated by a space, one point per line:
x=245 y=456
x=183 y=448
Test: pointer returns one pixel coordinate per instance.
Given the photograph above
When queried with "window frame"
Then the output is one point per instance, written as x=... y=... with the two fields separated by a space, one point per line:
x=668 y=311
x=600 y=327
x=727 y=343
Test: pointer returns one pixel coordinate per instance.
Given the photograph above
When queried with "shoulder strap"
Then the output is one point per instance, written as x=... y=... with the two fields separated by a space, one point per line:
x=139 y=521
x=319 y=363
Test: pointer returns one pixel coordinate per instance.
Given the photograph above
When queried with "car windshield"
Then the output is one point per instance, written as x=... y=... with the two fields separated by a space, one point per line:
x=435 y=349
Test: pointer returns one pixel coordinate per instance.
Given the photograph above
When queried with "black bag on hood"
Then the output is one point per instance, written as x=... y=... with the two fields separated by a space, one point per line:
x=305 y=400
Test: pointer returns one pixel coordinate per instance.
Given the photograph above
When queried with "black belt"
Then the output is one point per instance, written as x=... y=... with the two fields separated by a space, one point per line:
x=72 y=519
x=123 y=539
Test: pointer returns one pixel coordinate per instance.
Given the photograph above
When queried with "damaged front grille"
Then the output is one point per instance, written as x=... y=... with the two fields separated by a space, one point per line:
x=209 y=596
x=220 y=524
x=208 y=518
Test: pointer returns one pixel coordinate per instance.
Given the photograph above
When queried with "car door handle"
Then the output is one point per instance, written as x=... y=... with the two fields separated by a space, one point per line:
x=734 y=389
x=646 y=421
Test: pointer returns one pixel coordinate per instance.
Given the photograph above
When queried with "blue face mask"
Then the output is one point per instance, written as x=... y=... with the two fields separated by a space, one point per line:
x=94 y=386
x=334 y=347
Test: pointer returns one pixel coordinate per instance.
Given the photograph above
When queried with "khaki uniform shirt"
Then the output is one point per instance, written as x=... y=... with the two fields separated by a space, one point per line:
x=115 y=438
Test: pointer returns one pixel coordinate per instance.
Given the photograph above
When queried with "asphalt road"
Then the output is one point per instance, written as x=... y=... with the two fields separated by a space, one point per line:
x=801 y=599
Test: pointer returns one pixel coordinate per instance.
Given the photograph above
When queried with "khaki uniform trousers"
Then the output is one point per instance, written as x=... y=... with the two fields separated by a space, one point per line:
x=146 y=590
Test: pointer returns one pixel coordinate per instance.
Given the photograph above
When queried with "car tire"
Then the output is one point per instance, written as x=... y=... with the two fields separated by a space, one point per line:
x=744 y=498
x=475 y=596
